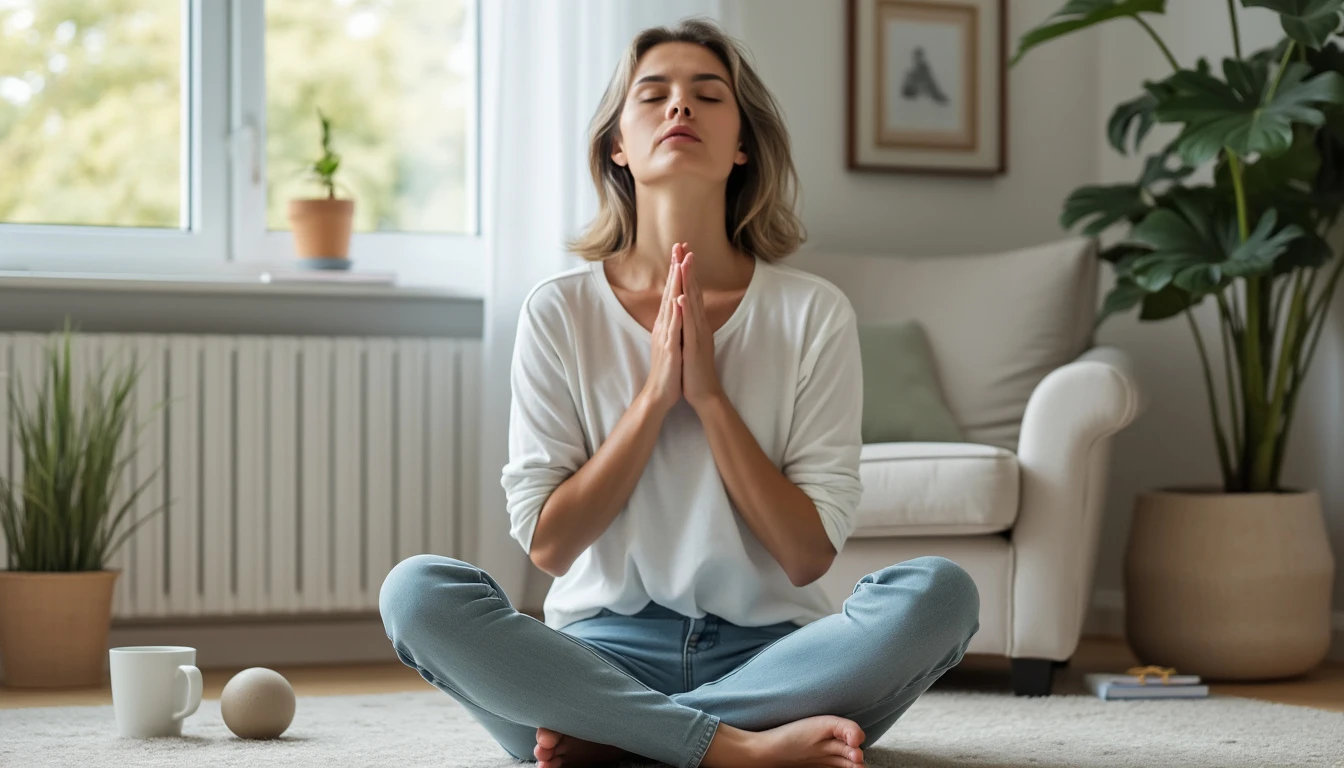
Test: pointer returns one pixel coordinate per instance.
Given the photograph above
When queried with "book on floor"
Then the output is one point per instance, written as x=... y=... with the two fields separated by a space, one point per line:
x=1107 y=686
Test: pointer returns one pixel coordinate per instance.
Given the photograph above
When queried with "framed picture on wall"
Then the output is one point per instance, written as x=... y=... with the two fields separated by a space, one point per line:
x=927 y=86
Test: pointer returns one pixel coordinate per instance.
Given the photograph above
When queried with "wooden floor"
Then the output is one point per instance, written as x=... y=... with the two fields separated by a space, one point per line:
x=1322 y=688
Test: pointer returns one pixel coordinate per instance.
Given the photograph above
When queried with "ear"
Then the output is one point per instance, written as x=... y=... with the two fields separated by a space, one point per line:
x=741 y=158
x=618 y=154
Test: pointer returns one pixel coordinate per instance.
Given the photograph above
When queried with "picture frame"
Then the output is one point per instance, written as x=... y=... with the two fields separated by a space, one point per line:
x=927 y=86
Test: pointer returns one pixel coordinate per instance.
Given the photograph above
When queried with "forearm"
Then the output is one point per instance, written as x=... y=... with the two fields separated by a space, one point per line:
x=782 y=516
x=584 y=505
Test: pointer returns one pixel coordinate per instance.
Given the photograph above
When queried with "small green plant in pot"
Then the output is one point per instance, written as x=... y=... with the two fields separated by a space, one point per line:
x=322 y=226
x=61 y=524
x=1253 y=243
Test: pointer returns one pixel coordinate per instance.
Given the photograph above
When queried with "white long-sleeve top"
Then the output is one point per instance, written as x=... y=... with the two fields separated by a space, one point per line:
x=788 y=360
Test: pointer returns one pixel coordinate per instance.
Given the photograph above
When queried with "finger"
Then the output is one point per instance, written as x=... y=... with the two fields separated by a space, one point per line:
x=676 y=322
x=688 y=328
x=672 y=268
x=698 y=315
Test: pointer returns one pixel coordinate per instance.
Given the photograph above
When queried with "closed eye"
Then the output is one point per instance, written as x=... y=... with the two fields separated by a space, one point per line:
x=660 y=98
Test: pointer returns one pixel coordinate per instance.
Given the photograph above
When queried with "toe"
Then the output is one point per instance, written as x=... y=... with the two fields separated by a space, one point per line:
x=547 y=738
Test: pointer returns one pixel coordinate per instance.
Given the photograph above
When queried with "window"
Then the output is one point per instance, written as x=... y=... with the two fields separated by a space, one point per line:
x=91 y=113
x=171 y=134
x=396 y=79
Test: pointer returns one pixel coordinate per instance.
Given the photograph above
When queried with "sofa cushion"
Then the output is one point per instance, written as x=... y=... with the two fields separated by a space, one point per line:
x=997 y=322
x=936 y=489
x=902 y=399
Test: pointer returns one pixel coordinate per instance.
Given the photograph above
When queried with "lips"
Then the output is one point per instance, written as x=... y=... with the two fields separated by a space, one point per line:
x=685 y=132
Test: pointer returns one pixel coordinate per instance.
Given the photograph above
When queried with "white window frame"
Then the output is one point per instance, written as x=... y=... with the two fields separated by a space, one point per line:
x=224 y=168
x=414 y=255
x=203 y=237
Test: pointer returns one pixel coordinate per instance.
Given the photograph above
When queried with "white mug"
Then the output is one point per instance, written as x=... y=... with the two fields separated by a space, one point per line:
x=153 y=688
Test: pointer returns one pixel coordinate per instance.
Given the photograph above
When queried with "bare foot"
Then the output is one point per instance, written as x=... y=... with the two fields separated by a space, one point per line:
x=824 y=740
x=555 y=749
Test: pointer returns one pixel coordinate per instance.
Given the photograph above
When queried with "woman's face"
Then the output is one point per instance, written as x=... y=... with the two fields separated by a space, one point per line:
x=684 y=85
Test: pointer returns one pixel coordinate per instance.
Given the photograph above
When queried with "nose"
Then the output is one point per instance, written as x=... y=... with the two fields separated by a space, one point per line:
x=675 y=107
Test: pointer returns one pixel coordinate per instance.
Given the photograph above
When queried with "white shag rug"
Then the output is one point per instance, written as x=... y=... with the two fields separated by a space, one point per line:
x=941 y=730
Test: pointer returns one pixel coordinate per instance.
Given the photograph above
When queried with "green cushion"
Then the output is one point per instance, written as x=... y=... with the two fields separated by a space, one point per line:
x=902 y=400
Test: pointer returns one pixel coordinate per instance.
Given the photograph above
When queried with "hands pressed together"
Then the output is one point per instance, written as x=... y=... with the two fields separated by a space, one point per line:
x=683 y=342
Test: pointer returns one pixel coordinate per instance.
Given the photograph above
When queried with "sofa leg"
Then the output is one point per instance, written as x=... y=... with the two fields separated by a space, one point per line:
x=1033 y=677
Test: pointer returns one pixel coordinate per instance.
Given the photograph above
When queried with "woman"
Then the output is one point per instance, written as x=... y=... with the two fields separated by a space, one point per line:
x=684 y=453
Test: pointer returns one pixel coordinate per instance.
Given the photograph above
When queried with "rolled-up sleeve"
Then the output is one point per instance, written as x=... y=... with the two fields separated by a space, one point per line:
x=822 y=452
x=546 y=442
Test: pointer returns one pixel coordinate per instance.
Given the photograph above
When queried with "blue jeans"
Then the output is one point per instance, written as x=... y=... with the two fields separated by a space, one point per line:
x=658 y=683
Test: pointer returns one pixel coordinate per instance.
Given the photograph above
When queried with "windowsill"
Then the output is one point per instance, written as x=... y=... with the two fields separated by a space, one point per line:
x=244 y=284
x=231 y=303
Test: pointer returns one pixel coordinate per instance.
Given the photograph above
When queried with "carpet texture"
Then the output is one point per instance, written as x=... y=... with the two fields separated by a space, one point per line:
x=941 y=730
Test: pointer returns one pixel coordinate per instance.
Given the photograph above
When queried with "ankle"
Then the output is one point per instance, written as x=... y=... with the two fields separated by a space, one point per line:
x=730 y=748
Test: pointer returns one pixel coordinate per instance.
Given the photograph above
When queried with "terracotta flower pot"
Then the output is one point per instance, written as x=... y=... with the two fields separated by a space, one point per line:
x=322 y=227
x=1229 y=586
x=53 y=627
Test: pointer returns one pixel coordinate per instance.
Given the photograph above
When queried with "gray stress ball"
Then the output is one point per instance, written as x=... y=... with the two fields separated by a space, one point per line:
x=257 y=703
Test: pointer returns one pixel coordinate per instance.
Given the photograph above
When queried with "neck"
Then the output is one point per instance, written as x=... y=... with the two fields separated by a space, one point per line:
x=674 y=214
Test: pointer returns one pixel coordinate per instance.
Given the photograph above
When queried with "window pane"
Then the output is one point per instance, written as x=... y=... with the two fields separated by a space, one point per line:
x=396 y=79
x=91 y=112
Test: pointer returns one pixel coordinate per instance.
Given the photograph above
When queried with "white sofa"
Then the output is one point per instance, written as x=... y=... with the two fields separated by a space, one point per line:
x=1019 y=505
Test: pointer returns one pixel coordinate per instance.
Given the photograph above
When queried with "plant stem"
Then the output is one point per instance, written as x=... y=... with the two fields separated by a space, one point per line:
x=1236 y=34
x=1234 y=411
x=1218 y=436
x=1278 y=76
x=1262 y=469
x=1157 y=39
x=1234 y=165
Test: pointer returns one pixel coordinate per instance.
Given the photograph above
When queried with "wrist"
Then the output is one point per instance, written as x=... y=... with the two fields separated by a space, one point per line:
x=649 y=405
x=703 y=404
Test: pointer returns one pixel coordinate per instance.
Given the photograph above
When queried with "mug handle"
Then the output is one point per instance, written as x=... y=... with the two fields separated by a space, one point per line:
x=193 y=676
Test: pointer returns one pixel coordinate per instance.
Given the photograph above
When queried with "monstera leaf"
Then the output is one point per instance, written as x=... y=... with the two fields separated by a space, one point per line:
x=1155 y=306
x=1198 y=248
x=1309 y=22
x=1077 y=14
x=1231 y=114
x=1125 y=114
x=1106 y=204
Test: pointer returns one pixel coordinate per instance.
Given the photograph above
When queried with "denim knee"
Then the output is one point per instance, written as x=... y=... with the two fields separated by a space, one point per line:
x=953 y=593
x=949 y=593
x=408 y=599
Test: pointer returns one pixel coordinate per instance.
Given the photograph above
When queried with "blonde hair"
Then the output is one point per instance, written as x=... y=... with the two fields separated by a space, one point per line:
x=761 y=194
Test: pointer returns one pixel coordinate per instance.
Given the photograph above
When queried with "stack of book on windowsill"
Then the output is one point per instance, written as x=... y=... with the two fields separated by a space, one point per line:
x=1147 y=683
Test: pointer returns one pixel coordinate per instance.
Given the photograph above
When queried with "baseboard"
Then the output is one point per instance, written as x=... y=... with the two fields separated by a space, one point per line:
x=262 y=642
x=1106 y=618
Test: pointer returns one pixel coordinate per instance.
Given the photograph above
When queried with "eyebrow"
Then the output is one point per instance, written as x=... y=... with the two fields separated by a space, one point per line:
x=694 y=78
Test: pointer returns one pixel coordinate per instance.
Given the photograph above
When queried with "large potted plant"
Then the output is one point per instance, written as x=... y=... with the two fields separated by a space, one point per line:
x=1234 y=581
x=322 y=226
x=61 y=524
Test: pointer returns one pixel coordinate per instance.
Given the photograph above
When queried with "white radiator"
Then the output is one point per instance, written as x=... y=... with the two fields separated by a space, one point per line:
x=298 y=470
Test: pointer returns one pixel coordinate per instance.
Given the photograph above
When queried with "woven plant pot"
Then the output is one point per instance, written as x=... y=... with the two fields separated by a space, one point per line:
x=1229 y=586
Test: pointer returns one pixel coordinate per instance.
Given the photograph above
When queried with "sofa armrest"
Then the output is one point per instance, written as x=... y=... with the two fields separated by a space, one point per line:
x=1063 y=455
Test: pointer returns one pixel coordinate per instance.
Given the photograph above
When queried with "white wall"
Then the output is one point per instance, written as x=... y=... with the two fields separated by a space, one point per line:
x=799 y=47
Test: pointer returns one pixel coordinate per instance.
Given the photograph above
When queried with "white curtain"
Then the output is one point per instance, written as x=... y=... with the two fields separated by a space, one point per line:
x=545 y=64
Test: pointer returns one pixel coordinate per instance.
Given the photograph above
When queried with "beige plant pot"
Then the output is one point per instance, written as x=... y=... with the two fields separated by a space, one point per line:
x=53 y=627
x=322 y=227
x=1229 y=586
